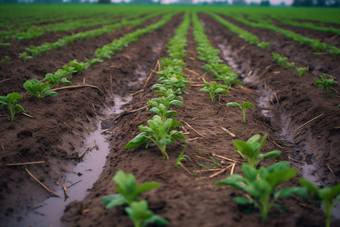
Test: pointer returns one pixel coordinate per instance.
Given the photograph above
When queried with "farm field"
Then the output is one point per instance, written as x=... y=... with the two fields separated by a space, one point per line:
x=171 y=95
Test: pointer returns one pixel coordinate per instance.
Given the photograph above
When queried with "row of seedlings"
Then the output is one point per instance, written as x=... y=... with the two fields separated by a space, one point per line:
x=222 y=72
x=173 y=83
x=34 y=32
x=281 y=60
x=37 y=51
x=316 y=44
x=40 y=90
x=263 y=184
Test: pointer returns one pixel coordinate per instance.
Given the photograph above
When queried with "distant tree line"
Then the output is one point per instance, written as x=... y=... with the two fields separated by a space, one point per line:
x=317 y=3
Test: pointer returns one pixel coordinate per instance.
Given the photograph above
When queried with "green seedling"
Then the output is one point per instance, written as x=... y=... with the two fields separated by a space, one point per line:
x=93 y=61
x=171 y=62
x=263 y=45
x=263 y=185
x=161 y=106
x=214 y=89
x=183 y=157
x=102 y=54
x=69 y=71
x=244 y=107
x=301 y=70
x=173 y=82
x=12 y=104
x=78 y=66
x=127 y=189
x=4 y=44
x=24 y=57
x=158 y=133
x=325 y=84
x=37 y=89
x=33 y=50
x=6 y=60
x=334 y=51
x=168 y=91
x=141 y=216
x=281 y=60
x=57 y=78
x=289 y=65
x=250 y=150
x=329 y=197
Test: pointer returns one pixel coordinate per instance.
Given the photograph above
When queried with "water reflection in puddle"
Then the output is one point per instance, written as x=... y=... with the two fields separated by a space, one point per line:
x=85 y=173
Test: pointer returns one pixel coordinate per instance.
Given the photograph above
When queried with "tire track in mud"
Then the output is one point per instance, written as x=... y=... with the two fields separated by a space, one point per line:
x=183 y=199
x=19 y=72
x=46 y=138
x=297 y=102
x=294 y=51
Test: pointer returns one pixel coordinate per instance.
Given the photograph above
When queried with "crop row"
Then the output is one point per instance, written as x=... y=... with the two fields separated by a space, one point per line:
x=23 y=16
x=35 y=32
x=40 y=90
x=157 y=132
x=36 y=51
x=316 y=44
x=284 y=21
x=280 y=59
x=263 y=184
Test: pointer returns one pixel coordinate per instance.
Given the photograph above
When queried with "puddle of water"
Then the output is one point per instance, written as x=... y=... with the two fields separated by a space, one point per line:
x=141 y=77
x=226 y=52
x=87 y=172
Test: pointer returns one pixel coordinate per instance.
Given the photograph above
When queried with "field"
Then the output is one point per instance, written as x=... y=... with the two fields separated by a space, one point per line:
x=206 y=81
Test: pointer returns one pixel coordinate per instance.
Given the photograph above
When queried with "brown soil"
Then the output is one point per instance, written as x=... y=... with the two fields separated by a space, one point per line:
x=18 y=72
x=298 y=102
x=47 y=138
x=183 y=199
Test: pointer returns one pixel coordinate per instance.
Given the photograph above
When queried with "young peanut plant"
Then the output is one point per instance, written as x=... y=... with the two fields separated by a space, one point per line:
x=93 y=61
x=57 y=78
x=301 y=70
x=141 y=216
x=37 y=89
x=325 y=84
x=12 y=104
x=214 y=89
x=6 y=60
x=127 y=189
x=244 y=107
x=161 y=106
x=69 y=71
x=250 y=150
x=24 y=57
x=128 y=194
x=263 y=185
x=329 y=197
x=158 y=133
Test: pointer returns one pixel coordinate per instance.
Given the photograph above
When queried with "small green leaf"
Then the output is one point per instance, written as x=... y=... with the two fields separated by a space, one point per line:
x=242 y=200
x=233 y=104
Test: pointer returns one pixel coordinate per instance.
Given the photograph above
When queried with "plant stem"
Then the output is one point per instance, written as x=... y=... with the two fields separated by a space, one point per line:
x=244 y=115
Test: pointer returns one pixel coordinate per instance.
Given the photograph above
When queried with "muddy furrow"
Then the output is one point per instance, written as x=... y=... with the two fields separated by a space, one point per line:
x=294 y=51
x=289 y=102
x=19 y=72
x=47 y=136
x=183 y=199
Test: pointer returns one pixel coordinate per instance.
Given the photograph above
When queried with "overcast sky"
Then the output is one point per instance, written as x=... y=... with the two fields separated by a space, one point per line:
x=288 y=2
